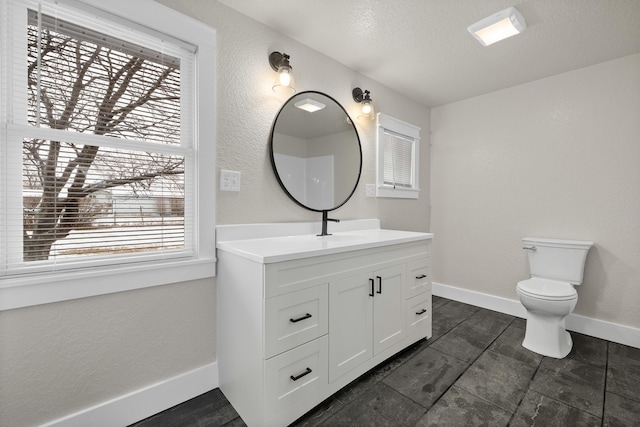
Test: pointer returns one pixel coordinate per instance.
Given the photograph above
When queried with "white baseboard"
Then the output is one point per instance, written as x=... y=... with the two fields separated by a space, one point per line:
x=585 y=325
x=140 y=404
x=491 y=302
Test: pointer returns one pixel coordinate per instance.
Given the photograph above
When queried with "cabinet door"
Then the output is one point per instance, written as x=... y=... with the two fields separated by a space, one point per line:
x=389 y=307
x=350 y=328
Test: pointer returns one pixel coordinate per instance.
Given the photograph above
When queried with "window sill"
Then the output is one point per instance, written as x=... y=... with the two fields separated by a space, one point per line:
x=25 y=291
x=397 y=193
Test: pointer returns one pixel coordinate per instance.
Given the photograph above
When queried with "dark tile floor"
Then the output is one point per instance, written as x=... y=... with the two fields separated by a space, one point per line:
x=472 y=372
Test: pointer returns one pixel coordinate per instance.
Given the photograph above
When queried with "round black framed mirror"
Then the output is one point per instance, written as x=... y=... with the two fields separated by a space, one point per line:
x=315 y=151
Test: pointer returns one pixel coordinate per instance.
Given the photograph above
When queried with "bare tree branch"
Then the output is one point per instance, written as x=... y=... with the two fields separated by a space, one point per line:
x=84 y=88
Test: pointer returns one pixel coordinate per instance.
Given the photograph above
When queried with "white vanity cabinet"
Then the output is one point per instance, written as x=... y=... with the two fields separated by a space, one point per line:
x=295 y=327
x=365 y=320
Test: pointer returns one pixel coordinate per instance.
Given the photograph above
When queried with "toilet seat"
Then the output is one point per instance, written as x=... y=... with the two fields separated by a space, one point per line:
x=547 y=289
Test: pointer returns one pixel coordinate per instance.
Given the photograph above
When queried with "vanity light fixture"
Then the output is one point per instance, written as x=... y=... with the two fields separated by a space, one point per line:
x=309 y=105
x=364 y=98
x=498 y=26
x=284 y=81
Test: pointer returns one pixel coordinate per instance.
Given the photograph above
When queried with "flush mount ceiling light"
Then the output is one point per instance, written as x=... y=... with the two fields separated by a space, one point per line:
x=309 y=105
x=498 y=26
x=284 y=81
x=364 y=98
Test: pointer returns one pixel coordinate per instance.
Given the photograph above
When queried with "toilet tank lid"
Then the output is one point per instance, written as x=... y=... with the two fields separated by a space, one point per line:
x=558 y=242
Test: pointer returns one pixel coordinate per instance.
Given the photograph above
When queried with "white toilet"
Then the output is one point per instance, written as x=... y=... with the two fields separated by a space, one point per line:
x=549 y=295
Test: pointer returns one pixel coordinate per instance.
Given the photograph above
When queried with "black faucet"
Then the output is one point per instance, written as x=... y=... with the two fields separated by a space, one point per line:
x=325 y=218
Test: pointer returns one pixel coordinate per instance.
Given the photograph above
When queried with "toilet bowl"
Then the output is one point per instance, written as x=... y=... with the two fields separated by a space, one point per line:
x=548 y=303
x=549 y=296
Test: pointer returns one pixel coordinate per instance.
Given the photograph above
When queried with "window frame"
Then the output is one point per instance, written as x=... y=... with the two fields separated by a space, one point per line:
x=147 y=15
x=406 y=131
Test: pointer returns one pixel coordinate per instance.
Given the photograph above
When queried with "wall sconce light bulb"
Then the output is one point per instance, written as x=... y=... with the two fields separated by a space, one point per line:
x=284 y=77
x=364 y=97
x=284 y=80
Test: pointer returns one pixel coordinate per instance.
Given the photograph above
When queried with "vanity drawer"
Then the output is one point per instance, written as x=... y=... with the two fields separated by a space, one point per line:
x=418 y=279
x=295 y=318
x=295 y=375
x=419 y=315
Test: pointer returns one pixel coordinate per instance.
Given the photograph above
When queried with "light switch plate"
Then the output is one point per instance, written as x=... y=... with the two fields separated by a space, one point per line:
x=229 y=180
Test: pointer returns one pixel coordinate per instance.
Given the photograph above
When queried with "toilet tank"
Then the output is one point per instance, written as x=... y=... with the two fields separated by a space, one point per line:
x=557 y=259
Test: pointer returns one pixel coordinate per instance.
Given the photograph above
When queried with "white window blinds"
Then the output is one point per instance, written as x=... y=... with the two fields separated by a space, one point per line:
x=398 y=158
x=98 y=140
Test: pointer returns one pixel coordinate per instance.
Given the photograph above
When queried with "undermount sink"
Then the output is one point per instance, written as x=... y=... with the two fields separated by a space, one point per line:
x=336 y=239
x=346 y=238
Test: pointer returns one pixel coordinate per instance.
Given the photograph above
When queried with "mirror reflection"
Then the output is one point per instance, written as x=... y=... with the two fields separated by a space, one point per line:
x=315 y=151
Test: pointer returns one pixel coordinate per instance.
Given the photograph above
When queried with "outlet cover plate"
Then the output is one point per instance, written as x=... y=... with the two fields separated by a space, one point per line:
x=229 y=180
x=371 y=190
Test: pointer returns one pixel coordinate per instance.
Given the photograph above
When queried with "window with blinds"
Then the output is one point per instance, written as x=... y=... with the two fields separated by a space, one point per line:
x=98 y=143
x=398 y=160
x=398 y=148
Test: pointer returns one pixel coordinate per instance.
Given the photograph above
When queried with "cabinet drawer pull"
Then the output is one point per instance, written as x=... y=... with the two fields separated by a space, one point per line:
x=297 y=377
x=379 y=284
x=306 y=316
x=422 y=276
x=371 y=281
x=423 y=311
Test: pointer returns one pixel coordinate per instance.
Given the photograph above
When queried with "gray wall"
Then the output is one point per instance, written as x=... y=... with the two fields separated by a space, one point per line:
x=558 y=157
x=60 y=358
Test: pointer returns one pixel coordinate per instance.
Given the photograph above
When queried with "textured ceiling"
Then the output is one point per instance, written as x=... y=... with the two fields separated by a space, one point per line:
x=421 y=48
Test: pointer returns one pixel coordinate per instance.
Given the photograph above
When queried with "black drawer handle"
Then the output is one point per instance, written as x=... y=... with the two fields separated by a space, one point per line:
x=297 y=377
x=423 y=311
x=371 y=281
x=379 y=284
x=422 y=276
x=306 y=316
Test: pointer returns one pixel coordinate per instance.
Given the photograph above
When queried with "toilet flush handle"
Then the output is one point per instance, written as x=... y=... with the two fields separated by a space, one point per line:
x=529 y=248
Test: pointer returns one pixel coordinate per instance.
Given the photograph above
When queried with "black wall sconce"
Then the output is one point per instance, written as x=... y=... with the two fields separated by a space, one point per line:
x=364 y=98
x=284 y=82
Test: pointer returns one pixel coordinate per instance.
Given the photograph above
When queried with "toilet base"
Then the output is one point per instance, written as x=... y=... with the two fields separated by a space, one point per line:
x=547 y=335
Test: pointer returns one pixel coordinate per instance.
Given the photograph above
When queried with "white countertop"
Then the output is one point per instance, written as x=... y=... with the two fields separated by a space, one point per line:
x=284 y=248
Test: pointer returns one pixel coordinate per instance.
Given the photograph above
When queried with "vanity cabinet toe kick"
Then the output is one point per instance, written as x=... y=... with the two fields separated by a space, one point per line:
x=292 y=333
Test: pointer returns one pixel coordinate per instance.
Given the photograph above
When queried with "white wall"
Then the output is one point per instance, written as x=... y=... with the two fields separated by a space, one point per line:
x=558 y=157
x=60 y=358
